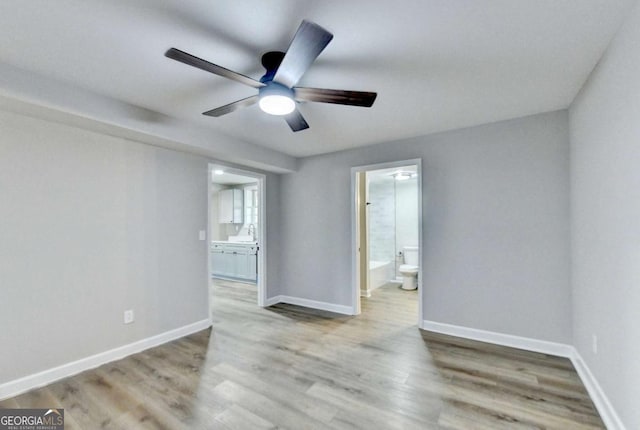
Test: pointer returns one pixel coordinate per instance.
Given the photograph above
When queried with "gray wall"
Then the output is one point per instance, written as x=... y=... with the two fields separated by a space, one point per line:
x=91 y=225
x=273 y=214
x=495 y=219
x=605 y=215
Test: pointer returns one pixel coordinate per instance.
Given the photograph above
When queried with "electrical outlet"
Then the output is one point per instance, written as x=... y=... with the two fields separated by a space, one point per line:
x=202 y=235
x=594 y=343
x=128 y=316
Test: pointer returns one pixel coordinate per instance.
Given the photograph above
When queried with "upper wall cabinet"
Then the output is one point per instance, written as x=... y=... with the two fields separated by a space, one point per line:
x=230 y=205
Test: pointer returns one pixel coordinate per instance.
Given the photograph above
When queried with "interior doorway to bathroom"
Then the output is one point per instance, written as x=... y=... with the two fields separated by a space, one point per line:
x=236 y=232
x=387 y=236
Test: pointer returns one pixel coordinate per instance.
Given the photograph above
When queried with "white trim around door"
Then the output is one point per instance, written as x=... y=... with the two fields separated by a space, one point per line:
x=355 y=255
x=262 y=229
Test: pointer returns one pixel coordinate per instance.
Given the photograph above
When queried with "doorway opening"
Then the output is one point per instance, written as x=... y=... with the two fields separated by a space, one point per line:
x=236 y=231
x=387 y=236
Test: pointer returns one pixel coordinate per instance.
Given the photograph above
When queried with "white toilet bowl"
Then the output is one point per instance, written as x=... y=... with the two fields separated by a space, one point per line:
x=409 y=276
x=409 y=270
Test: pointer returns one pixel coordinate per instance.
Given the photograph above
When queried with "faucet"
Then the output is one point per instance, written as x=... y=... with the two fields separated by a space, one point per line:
x=251 y=231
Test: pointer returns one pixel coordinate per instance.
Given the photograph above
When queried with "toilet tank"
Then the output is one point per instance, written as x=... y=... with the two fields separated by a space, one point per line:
x=410 y=255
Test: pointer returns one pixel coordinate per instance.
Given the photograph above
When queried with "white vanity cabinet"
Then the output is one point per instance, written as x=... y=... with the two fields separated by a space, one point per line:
x=234 y=260
x=230 y=206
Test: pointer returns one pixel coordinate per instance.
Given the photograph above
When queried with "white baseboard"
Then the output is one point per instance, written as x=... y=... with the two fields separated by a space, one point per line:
x=272 y=301
x=37 y=380
x=535 y=345
x=365 y=293
x=598 y=396
x=323 y=306
x=605 y=408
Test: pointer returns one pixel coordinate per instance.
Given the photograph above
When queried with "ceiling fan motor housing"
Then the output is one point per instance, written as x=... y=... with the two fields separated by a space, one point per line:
x=271 y=61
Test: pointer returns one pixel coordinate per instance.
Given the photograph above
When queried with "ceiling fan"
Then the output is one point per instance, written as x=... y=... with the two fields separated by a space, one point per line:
x=277 y=94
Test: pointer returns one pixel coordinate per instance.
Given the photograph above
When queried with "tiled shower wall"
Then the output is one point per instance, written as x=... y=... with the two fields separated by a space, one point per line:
x=382 y=238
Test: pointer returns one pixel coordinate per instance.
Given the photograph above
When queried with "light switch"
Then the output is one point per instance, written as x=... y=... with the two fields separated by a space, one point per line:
x=202 y=235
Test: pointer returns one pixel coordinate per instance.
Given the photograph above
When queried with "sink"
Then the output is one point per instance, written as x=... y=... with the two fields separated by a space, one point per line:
x=241 y=238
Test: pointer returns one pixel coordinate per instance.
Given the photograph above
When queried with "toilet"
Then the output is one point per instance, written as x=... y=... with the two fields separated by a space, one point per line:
x=409 y=270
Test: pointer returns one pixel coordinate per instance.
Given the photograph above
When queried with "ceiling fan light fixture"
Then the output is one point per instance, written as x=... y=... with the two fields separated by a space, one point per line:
x=276 y=99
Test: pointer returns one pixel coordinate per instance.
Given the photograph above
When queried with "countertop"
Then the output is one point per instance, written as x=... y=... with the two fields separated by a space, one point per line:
x=227 y=242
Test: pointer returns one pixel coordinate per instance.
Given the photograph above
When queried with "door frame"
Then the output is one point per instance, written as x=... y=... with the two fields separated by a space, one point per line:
x=262 y=230
x=355 y=255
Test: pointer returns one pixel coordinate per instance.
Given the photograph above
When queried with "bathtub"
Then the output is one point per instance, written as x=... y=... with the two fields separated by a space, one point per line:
x=380 y=272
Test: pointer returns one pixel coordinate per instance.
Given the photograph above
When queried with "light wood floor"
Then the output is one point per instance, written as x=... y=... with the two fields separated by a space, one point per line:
x=289 y=367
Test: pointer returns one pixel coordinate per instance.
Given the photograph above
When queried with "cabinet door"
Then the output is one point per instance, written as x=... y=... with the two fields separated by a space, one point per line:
x=240 y=263
x=222 y=261
x=229 y=263
x=252 y=265
x=217 y=262
x=225 y=207
x=238 y=206
x=230 y=206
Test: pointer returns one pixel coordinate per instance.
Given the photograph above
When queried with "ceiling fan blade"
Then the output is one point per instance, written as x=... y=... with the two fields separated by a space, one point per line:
x=231 y=107
x=296 y=121
x=307 y=44
x=191 y=60
x=341 y=97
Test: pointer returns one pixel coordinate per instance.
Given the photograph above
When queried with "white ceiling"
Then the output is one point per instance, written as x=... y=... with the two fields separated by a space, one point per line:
x=436 y=65
x=227 y=178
